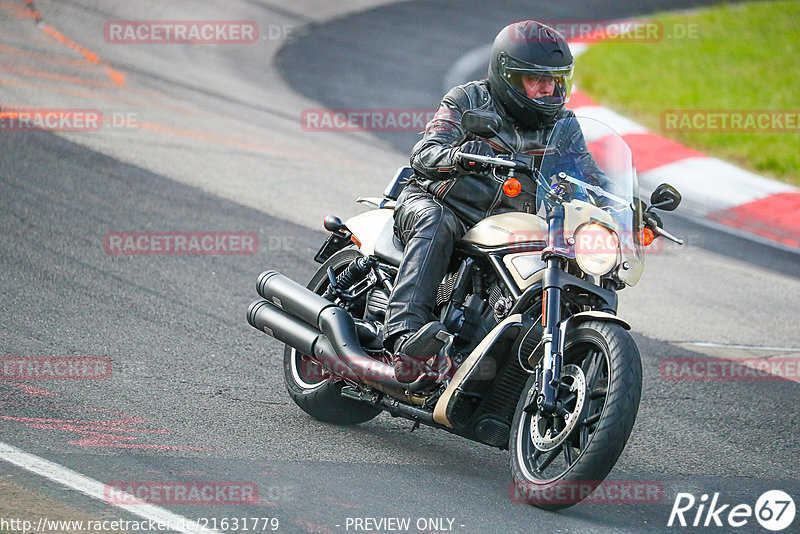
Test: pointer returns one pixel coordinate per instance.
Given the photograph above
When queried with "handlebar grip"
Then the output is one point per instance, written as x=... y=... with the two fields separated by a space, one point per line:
x=497 y=162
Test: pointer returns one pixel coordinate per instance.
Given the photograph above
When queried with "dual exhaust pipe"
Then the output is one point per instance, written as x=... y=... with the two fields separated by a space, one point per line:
x=316 y=327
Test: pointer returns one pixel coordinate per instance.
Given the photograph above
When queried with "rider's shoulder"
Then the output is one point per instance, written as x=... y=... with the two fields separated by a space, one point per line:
x=564 y=113
x=470 y=95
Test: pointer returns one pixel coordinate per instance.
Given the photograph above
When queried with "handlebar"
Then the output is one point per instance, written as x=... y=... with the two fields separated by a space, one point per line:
x=490 y=160
x=652 y=223
x=663 y=233
x=516 y=165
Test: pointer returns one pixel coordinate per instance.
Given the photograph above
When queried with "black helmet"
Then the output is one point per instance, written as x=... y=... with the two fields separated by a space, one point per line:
x=531 y=53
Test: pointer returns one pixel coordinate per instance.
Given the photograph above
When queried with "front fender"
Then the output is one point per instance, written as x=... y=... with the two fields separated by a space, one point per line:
x=582 y=317
x=596 y=316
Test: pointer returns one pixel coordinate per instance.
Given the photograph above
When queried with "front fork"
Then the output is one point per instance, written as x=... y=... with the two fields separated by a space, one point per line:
x=549 y=373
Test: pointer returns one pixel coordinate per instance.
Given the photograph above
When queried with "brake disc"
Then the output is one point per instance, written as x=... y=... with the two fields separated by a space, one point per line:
x=548 y=441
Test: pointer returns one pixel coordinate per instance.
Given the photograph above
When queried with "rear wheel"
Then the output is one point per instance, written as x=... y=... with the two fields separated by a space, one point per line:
x=558 y=461
x=314 y=390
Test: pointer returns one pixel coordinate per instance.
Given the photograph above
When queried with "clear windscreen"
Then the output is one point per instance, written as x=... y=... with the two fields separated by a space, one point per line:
x=587 y=161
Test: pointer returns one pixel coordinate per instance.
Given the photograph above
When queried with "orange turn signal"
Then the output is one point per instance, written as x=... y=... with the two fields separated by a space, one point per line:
x=646 y=237
x=512 y=187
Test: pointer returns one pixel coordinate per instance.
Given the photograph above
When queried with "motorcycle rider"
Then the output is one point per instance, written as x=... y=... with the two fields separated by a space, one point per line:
x=529 y=82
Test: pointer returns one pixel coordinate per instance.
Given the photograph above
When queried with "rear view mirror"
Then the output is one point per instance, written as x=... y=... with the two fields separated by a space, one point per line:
x=481 y=122
x=665 y=198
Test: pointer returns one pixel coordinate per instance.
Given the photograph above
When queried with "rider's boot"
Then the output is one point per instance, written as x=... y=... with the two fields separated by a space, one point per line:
x=413 y=350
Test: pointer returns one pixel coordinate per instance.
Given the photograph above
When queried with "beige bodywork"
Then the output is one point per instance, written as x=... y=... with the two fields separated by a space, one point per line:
x=440 y=411
x=514 y=228
x=526 y=268
x=367 y=226
x=577 y=213
x=507 y=228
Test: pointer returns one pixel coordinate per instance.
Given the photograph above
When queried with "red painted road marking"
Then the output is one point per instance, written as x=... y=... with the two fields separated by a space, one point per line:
x=578 y=100
x=34 y=391
x=118 y=432
x=651 y=151
x=776 y=217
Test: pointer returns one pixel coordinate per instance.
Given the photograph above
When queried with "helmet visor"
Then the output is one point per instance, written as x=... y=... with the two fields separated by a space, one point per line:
x=540 y=84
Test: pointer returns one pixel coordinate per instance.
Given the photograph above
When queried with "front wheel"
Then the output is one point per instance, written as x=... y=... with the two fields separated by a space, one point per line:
x=558 y=461
x=314 y=390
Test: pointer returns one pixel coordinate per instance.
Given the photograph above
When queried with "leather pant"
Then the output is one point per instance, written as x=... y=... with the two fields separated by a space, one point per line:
x=428 y=229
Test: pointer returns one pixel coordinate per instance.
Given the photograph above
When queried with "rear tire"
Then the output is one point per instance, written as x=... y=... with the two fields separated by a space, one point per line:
x=603 y=358
x=316 y=392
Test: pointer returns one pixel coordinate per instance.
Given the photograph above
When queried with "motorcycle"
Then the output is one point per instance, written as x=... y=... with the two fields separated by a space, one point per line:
x=537 y=360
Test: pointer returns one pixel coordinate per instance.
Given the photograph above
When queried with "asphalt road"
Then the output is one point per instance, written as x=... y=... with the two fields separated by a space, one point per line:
x=197 y=394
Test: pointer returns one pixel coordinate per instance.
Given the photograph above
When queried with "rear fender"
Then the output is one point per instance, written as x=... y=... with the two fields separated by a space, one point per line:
x=367 y=226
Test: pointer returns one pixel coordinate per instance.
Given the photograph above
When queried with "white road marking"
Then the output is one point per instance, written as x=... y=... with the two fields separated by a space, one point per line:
x=71 y=479
x=621 y=125
x=462 y=69
x=578 y=48
x=710 y=184
x=746 y=347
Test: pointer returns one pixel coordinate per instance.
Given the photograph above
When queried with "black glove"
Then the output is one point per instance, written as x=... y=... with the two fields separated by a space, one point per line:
x=481 y=148
x=651 y=218
x=654 y=219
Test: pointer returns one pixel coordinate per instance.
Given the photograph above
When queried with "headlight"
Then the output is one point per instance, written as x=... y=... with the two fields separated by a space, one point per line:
x=596 y=249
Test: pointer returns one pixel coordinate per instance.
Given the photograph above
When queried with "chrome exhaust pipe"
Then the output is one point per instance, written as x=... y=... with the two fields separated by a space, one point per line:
x=301 y=305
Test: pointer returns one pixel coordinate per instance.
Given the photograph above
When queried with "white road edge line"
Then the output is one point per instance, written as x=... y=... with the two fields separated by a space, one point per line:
x=71 y=479
x=465 y=65
x=748 y=347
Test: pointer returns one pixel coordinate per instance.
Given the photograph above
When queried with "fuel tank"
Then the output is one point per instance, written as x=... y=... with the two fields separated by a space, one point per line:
x=507 y=228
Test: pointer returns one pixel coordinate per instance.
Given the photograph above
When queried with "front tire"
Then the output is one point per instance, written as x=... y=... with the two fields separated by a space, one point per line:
x=315 y=391
x=557 y=462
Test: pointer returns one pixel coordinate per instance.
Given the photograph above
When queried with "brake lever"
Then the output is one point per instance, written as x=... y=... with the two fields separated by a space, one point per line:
x=663 y=233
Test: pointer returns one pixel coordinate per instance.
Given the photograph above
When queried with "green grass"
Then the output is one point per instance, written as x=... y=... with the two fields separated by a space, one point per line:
x=740 y=57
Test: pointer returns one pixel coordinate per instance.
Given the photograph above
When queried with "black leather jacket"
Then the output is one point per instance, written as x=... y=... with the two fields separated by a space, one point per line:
x=474 y=197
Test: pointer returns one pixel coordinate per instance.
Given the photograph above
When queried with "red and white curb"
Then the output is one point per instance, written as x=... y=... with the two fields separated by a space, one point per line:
x=711 y=188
